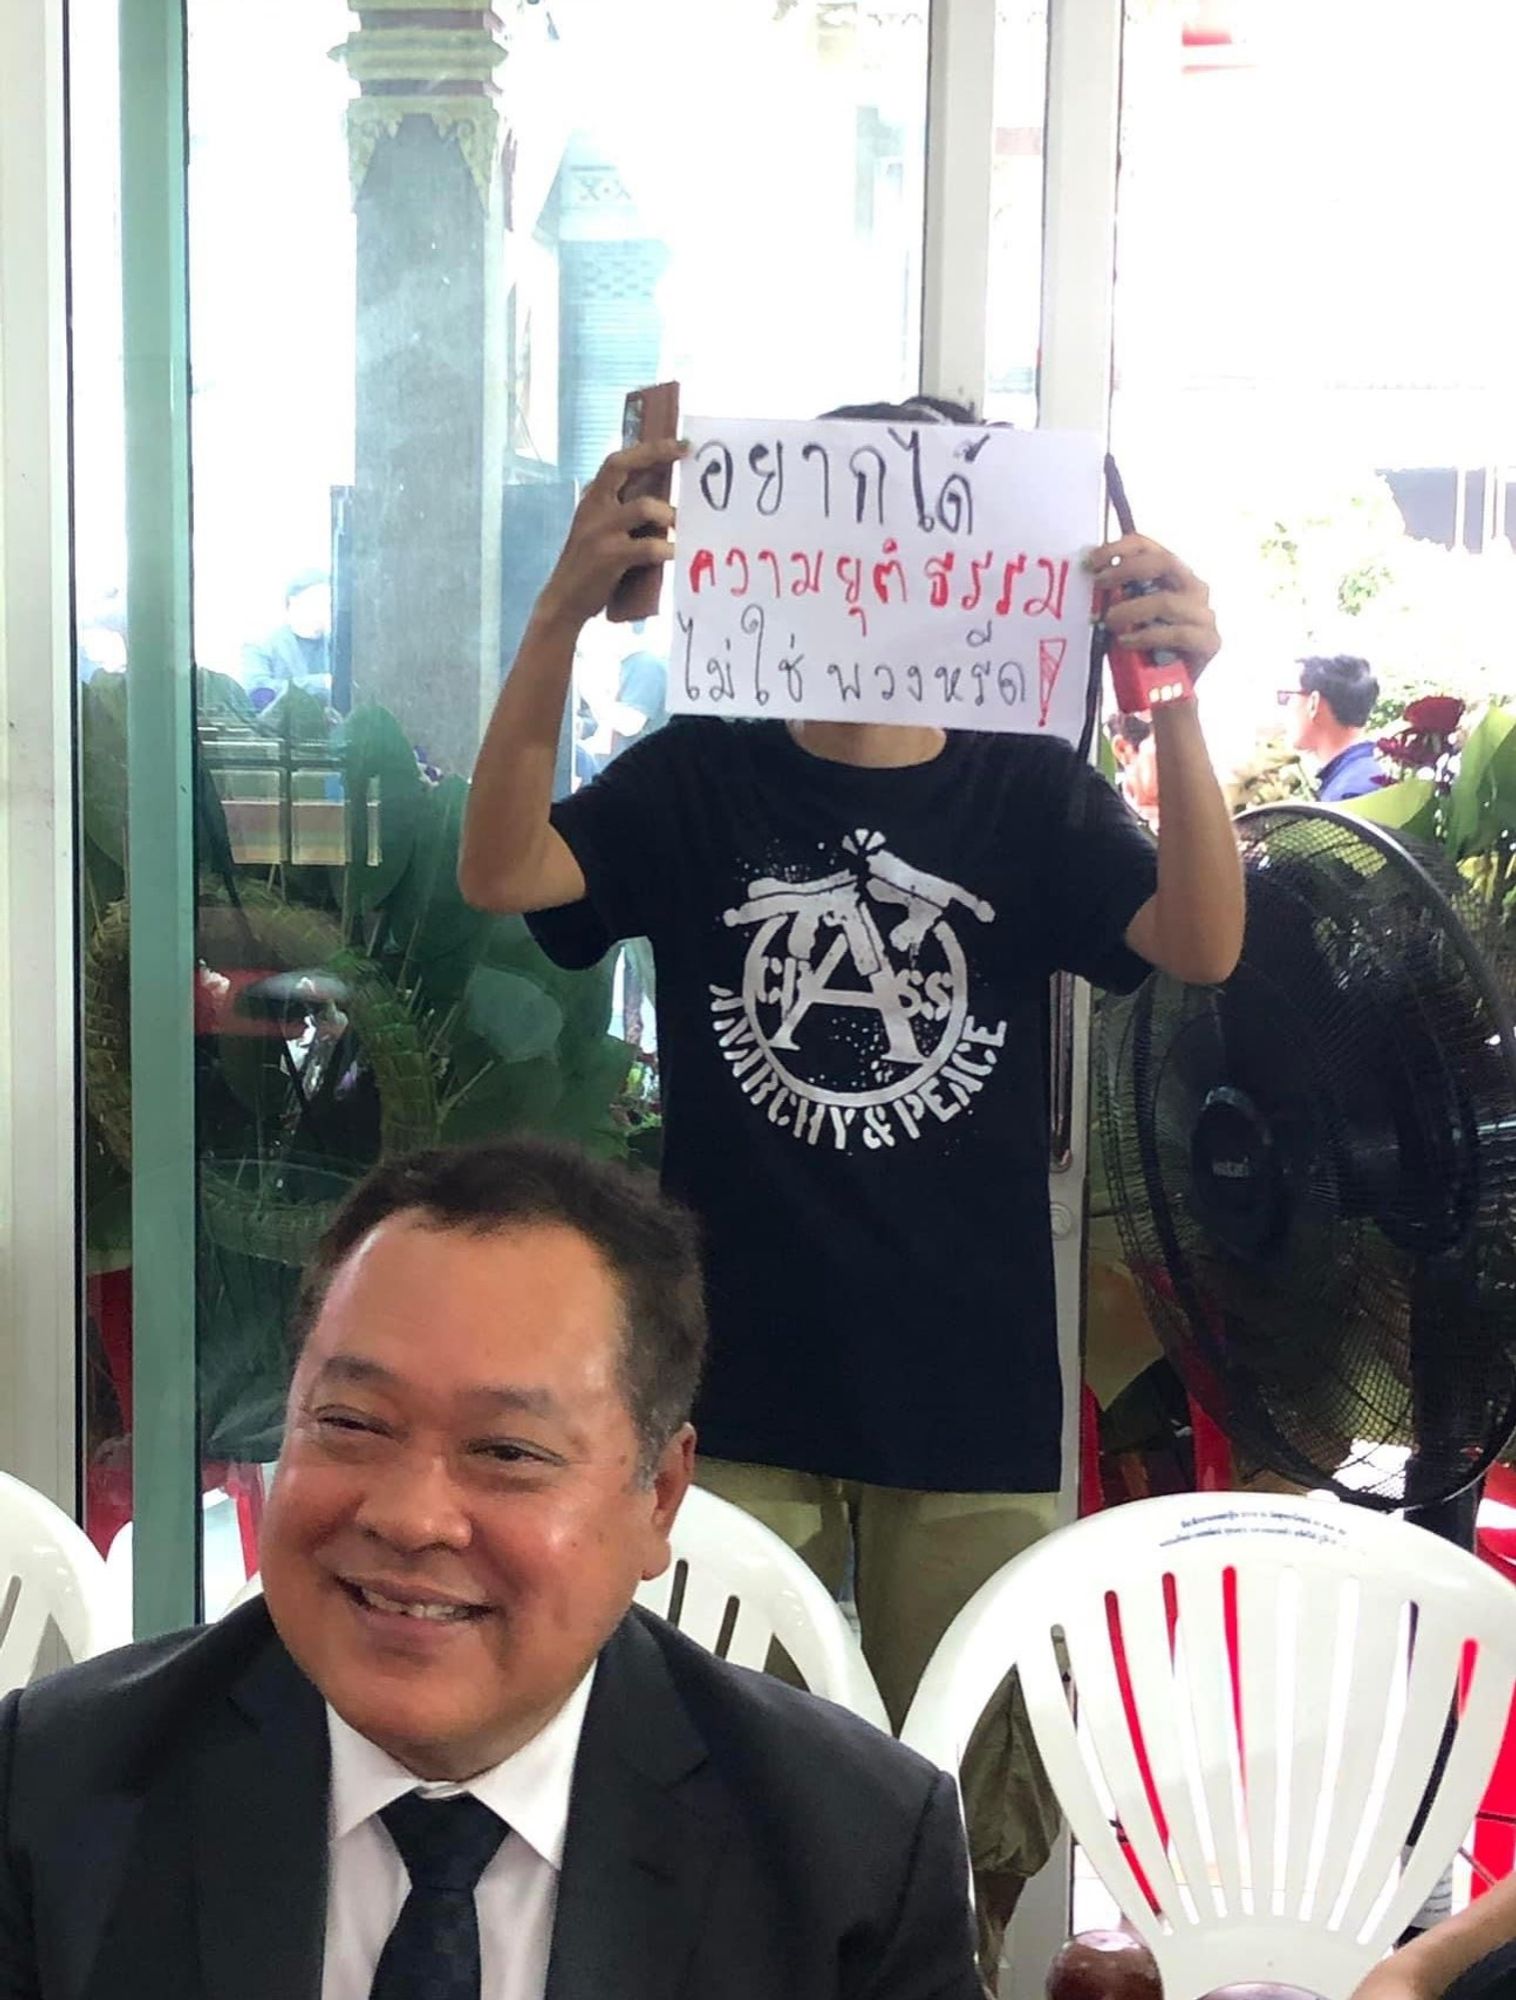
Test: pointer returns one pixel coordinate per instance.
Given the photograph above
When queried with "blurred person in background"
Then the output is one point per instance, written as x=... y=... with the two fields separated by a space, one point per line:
x=641 y=687
x=297 y=652
x=1326 y=719
x=1136 y=757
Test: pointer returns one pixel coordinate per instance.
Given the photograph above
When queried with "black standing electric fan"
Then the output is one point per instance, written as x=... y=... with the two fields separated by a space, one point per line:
x=1314 y=1169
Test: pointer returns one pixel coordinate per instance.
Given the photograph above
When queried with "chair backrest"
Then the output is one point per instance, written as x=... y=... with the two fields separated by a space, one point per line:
x=251 y=1589
x=222 y=1562
x=734 y=1587
x=1243 y=1702
x=51 y=1575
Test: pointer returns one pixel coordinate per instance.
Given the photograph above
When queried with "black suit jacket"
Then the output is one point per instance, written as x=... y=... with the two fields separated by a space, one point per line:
x=163 y=1835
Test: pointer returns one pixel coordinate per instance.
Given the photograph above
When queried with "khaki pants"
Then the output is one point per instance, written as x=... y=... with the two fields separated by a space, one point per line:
x=917 y=1560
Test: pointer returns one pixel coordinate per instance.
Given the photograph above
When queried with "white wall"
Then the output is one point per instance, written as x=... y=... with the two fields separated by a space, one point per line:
x=38 y=1274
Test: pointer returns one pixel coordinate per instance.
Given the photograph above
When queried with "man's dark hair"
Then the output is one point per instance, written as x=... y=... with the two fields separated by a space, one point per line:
x=915 y=410
x=1346 y=684
x=647 y=1242
x=1133 y=729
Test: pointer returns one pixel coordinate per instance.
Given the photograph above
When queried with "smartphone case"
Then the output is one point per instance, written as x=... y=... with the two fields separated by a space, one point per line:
x=649 y=414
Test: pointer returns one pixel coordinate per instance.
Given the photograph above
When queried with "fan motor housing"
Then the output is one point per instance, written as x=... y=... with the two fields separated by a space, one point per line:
x=1238 y=1185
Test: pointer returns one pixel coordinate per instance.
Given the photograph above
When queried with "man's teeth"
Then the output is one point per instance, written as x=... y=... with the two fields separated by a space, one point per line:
x=375 y=1602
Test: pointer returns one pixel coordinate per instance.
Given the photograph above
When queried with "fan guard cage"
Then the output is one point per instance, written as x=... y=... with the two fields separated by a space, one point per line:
x=1314 y=1166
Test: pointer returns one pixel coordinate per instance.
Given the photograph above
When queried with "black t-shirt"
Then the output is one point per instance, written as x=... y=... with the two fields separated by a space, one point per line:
x=852 y=970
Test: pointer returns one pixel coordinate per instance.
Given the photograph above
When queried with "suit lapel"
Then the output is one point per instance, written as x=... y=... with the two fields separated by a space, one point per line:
x=230 y=1849
x=645 y=1833
x=260 y=1832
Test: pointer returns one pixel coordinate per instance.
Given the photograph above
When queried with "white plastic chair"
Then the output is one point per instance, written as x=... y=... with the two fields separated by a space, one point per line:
x=251 y=1589
x=51 y=1574
x=222 y=1566
x=1277 y=1802
x=733 y=1586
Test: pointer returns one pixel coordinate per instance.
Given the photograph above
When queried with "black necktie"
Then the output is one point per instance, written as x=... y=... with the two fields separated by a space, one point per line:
x=446 y=1845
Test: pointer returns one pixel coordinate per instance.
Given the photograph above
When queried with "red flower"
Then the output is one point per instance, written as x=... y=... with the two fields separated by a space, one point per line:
x=1435 y=714
x=1411 y=749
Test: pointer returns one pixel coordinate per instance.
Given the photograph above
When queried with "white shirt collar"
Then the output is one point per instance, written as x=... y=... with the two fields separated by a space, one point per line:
x=530 y=1790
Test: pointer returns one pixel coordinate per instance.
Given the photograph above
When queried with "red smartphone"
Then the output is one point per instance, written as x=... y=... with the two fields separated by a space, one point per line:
x=650 y=414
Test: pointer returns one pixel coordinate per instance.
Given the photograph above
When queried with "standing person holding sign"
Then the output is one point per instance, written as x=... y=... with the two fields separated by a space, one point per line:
x=854 y=925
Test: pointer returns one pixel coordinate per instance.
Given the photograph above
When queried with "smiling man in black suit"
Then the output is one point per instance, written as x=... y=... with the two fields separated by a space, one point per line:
x=444 y=1758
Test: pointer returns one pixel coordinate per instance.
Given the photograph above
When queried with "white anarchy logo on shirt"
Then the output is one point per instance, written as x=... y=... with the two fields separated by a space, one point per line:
x=853 y=1016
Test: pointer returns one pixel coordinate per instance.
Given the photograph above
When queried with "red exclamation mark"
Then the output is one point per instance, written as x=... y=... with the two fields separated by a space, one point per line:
x=1050 y=654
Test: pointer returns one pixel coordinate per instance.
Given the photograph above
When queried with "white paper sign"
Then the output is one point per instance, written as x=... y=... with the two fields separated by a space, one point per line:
x=877 y=572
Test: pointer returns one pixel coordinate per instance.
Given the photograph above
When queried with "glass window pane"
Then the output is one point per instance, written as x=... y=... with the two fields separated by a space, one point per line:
x=1312 y=383
x=426 y=264
x=1014 y=304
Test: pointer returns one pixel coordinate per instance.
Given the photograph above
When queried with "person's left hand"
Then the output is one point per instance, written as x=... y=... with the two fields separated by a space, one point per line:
x=1176 y=617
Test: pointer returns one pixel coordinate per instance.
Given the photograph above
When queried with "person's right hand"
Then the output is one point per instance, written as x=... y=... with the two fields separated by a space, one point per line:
x=602 y=543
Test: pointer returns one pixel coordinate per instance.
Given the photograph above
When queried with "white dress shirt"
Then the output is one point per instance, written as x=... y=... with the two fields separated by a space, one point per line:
x=518 y=1892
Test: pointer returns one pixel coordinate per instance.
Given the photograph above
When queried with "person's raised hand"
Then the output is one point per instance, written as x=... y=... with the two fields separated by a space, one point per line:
x=1177 y=616
x=604 y=540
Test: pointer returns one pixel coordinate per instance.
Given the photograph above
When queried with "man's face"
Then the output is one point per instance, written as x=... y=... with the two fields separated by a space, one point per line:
x=309 y=611
x=1300 y=713
x=457 y=1523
